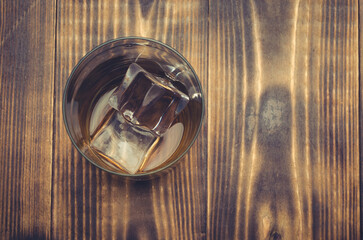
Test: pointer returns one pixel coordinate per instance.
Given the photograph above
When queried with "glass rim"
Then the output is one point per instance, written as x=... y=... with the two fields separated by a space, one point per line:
x=157 y=170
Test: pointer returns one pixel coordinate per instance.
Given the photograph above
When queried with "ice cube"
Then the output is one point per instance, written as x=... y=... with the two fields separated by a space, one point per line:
x=122 y=144
x=148 y=101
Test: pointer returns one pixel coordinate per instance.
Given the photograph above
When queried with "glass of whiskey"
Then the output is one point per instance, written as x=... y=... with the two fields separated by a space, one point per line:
x=133 y=106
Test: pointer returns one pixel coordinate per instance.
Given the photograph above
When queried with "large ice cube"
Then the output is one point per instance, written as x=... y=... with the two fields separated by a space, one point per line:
x=148 y=101
x=122 y=144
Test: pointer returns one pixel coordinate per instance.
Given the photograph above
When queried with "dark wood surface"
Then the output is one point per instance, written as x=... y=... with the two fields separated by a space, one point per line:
x=278 y=156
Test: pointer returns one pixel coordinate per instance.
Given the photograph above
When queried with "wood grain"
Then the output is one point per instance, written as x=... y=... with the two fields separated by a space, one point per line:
x=278 y=156
x=27 y=44
x=91 y=204
x=361 y=113
x=283 y=155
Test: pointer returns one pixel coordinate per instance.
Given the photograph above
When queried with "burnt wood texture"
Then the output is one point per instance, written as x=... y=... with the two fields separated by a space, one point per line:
x=278 y=156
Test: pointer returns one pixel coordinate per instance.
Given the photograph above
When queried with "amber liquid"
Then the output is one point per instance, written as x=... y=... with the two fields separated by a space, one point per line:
x=107 y=77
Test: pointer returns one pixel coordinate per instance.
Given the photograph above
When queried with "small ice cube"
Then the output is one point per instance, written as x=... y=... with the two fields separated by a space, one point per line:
x=122 y=144
x=166 y=147
x=148 y=101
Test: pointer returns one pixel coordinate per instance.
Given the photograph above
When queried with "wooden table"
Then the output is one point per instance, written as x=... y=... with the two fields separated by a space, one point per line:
x=278 y=156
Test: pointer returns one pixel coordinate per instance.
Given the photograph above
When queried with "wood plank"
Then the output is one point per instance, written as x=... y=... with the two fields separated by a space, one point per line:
x=361 y=111
x=92 y=204
x=283 y=120
x=27 y=46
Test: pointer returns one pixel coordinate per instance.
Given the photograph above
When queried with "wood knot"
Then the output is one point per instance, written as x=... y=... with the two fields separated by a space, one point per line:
x=275 y=236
